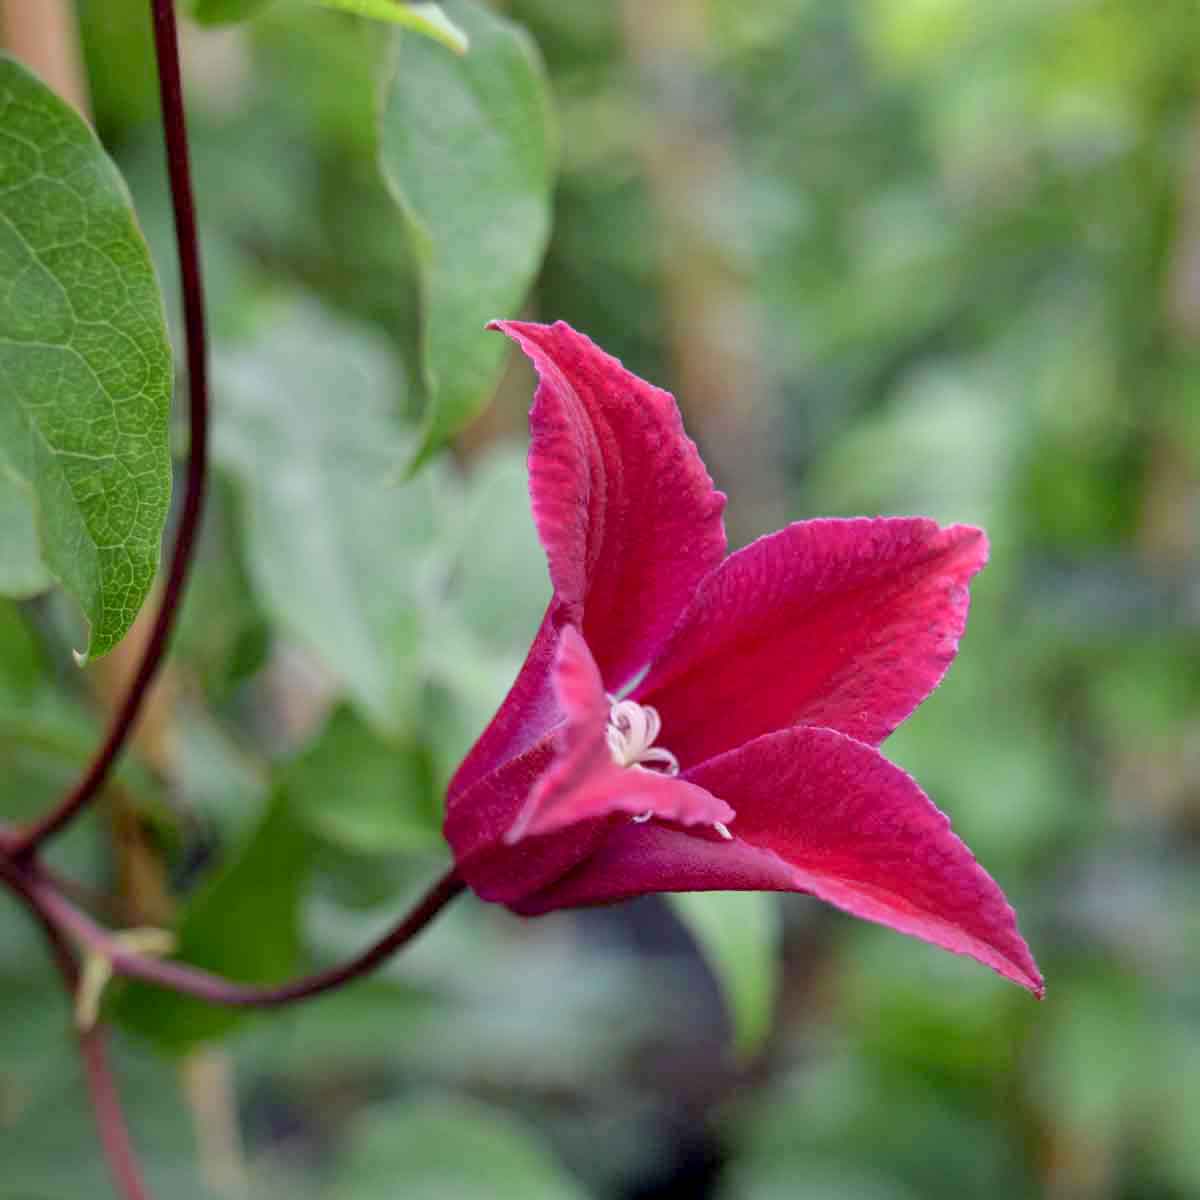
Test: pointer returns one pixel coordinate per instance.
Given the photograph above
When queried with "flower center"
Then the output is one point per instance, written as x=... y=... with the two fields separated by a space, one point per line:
x=632 y=731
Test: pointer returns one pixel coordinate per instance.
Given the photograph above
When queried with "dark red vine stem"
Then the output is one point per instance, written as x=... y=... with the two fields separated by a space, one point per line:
x=24 y=843
x=102 y=1089
x=18 y=848
x=110 y=1120
x=24 y=888
x=213 y=989
x=43 y=895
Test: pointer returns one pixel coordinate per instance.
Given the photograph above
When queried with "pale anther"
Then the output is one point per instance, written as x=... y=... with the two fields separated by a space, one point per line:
x=632 y=729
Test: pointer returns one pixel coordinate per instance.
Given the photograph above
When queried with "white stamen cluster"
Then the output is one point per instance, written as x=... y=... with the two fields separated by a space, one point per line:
x=632 y=731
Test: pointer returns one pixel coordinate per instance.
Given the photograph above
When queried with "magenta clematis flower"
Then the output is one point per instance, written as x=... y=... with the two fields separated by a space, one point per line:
x=687 y=720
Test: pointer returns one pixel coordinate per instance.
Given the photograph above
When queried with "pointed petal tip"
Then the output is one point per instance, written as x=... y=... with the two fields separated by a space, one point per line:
x=1023 y=972
x=973 y=539
x=857 y=832
x=1029 y=979
x=1032 y=980
x=623 y=505
x=518 y=330
x=853 y=621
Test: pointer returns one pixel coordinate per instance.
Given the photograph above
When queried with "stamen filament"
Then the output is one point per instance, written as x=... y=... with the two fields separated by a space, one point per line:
x=631 y=733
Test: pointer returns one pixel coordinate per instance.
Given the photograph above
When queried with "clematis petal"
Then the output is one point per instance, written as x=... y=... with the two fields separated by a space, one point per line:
x=477 y=822
x=560 y=803
x=635 y=859
x=844 y=624
x=584 y=782
x=624 y=507
x=821 y=813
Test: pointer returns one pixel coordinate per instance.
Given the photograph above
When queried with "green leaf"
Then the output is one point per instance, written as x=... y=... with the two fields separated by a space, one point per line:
x=217 y=782
x=22 y=572
x=498 y=554
x=335 y=549
x=84 y=360
x=473 y=643
x=19 y=665
x=364 y=794
x=467 y=681
x=226 y=12
x=222 y=635
x=427 y=1150
x=465 y=146
x=428 y=19
x=243 y=924
x=738 y=935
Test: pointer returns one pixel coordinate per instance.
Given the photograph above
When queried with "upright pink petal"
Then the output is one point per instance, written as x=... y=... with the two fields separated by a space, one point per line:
x=584 y=782
x=843 y=624
x=820 y=813
x=624 y=507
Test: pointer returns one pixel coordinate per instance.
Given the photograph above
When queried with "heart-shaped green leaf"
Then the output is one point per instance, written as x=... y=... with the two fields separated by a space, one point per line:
x=466 y=148
x=337 y=549
x=85 y=366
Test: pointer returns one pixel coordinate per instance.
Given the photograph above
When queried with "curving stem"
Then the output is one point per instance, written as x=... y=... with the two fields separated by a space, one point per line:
x=102 y=1089
x=110 y=1120
x=213 y=989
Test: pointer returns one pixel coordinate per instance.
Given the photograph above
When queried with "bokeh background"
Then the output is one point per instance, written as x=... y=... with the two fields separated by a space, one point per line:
x=900 y=256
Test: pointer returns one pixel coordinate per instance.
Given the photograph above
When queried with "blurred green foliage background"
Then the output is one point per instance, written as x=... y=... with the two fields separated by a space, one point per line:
x=933 y=256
